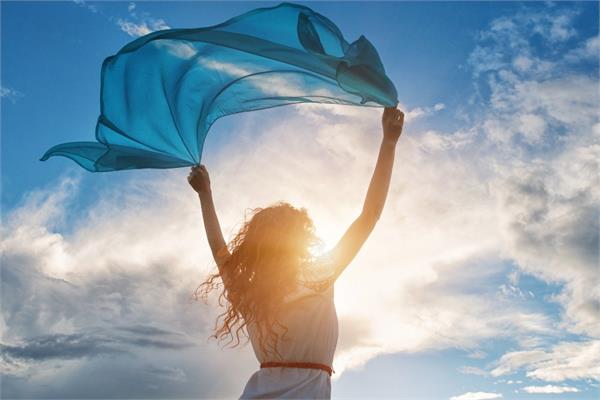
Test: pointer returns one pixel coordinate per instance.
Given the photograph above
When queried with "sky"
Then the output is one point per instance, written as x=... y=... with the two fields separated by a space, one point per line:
x=480 y=280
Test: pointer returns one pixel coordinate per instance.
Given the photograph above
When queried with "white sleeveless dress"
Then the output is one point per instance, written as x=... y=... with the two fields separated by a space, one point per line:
x=312 y=335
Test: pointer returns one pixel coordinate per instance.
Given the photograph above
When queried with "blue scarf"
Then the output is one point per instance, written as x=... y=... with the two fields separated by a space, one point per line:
x=161 y=93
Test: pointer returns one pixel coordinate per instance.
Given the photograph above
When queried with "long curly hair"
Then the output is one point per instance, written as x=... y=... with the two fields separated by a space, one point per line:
x=266 y=257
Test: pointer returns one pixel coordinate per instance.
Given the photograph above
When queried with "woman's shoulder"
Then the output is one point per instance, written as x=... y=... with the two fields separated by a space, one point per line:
x=317 y=274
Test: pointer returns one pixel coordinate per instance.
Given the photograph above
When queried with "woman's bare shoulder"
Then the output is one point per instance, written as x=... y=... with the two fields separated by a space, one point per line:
x=318 y=274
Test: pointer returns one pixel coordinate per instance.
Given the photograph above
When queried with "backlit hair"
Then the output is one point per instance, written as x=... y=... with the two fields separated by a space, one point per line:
x=266 y=255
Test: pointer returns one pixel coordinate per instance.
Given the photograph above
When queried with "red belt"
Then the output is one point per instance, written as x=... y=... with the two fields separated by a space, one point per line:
x=295 y=364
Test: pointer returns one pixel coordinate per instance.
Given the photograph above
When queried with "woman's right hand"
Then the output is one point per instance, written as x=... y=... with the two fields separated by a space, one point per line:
x=392 y=121
x=199 y=179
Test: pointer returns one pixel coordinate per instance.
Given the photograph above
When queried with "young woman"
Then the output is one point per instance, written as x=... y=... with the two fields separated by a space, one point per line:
x=281 y=293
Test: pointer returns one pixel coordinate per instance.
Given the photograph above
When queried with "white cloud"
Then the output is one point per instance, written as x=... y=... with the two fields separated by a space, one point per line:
x=550 y=389
x=419 y=112
x=560 y=29
x=506 y=43
x=540 y=125
x=477 y=396
x=140 y=23
x=10 y=94
x=565 y=361
x=113 y=302
x=422 y=307
x=522 y=62
x=433 y=141
x=459 y=205
x=514 y=360
x=477 y=355
x=473 y=371
x=532 y=127
x=589 y=50
x=85 y=4
x=137 y=29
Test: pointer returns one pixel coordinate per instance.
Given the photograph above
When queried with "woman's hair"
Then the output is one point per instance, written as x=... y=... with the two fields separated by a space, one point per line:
x=265 y=258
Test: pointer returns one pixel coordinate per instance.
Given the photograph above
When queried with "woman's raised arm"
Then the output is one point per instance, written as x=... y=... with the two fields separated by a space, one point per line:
x=200 y=181
x=351 y=242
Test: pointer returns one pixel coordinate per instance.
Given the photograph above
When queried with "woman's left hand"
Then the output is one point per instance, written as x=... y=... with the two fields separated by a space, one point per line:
x=199 y=179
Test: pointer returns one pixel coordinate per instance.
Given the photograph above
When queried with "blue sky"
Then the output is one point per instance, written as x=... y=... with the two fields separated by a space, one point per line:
x=493 y=294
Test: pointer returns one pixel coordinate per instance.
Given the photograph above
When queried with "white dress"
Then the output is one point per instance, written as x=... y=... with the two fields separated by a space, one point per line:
x=312 y=323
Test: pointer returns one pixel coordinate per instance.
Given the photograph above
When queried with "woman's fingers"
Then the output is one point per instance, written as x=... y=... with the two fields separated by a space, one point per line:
x=392 y=112
x=398 y=116
x=198 y=167
x=198 y=171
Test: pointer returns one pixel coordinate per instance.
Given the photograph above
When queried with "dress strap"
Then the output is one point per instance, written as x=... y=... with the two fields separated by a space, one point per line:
x=297 y=364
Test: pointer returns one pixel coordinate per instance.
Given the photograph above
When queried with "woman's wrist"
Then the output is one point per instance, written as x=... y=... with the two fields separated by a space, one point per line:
x=388 y=141
x=205 y=194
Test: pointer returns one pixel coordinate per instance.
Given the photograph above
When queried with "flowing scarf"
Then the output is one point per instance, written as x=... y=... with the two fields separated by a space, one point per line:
x=161 y=93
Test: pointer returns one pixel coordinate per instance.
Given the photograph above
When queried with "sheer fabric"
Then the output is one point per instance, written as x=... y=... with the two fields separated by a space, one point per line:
x=161 y=93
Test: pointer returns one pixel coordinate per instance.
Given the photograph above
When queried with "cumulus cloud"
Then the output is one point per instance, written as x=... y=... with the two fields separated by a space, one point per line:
x=548 y=192
x=588 y=50
x=565 y=361
x=477 y=396
x=549 y=389
x=96 y=302
x=98 y=276
x=542 y=122
x=507 y=40
x=518 y=184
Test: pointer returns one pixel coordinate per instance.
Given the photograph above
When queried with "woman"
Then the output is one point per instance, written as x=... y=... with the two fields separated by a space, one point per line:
x=283 y=295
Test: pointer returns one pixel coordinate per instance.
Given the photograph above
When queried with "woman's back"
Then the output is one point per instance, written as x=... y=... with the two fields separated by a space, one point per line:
x=312 y=332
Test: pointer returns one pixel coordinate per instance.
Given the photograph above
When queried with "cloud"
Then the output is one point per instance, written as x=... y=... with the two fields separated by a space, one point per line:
x=423 y=111
x=85 y=4
x=543 y=127
x=477 y=355
x=477 y=396
x=587 y=51
x=514 y=190
x=136 y=23
x=171 y=373
x=472 y=371
x=140 y=23
x=100 y=277
x=93 y=300
x=549 y=389
x=10 y=94
x=58 y=346
x=540 y=127
x=425 y=301
x=508 y=40
x=565 y=361
x=137 y=29
x=434 y=141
